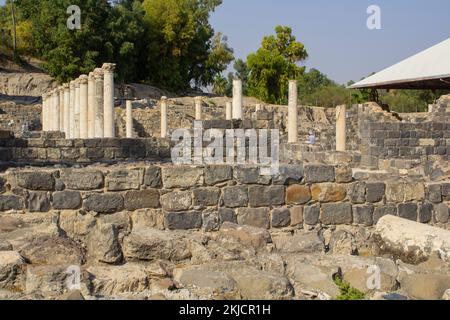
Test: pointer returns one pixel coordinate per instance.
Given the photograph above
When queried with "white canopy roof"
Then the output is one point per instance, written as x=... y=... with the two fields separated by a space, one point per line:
x=429 y=69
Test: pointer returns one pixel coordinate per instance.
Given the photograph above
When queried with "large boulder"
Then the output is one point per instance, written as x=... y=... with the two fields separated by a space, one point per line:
x=247 y=235
x=316 y=272
x=20 y=230
x=54 y=280
x=425 y=286
x=301 y=242
x=110 y=281
x=412 y=241
x=197 y=277
x=53 y=251
x=103 y=243
x=151 y=244
x=255 y=284
x=11 y=263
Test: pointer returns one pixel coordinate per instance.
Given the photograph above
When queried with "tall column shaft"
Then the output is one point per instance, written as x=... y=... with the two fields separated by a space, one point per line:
x=198 y=108
x=72 y=110
x=91 y=106
x=163 y=117
x=293 y=112
x=129 y=119
x=66 y=110
x=237 y=99
x=61 y=108
x=341 y=134
x=55 y=117
x=83 y=106
x=108 y=103
x=43 y=112
x=76 y=122
x=51 y=111
x=229 y=111
x=98 y=104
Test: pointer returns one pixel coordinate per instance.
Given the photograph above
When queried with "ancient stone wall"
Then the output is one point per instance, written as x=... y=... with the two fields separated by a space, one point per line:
x=51 y=147
x=188 y=197
x=13 y=117
x=404 y=140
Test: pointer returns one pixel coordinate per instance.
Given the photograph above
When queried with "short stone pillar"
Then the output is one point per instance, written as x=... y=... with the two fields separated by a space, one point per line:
x=341 y=128
x=237 y=99
x=66 y=115
x=229 y=110
x=129 y=116
x=98 y=105
x=76 y=119
x=108 y=102
x=61 y=108
x=293 y=112
x=163 y=117
x=55 y=111
x=198 y=108
x=91 y=106
x=72 y=110
x=84 y=106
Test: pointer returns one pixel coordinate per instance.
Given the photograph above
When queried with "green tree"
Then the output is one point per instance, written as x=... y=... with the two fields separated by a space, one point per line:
x=220 y=86
x=274 y=64
x=183 y=50
x=126 y=29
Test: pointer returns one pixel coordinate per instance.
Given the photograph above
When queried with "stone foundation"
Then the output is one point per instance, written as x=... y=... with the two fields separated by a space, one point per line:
x=187 y=197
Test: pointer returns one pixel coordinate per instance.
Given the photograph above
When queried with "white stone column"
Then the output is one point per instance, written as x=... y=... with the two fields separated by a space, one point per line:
x=198 y=108
x=229 y=110
x=61 y=107
x=66 y=109
x=163 y=117
x=129 y=121
x=293 y=113
x=50 y=111
x=341 y=134
x=84 y=106
x=43 y=111
x=76 y=125
x=55 y=115
x=108 y=102
x=237 y=99
x=257 y=107
x=72 y=110
x=98 y=105
x=91 y=106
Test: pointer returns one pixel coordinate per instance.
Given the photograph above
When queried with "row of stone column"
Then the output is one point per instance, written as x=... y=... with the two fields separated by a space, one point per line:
x=83 y=108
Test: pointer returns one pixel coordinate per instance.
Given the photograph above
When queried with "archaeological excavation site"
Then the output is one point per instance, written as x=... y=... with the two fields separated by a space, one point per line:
x=161 y=179
x=89 y=185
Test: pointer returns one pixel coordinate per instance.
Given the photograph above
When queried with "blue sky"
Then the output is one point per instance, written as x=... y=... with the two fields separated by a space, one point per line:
x=334 y=31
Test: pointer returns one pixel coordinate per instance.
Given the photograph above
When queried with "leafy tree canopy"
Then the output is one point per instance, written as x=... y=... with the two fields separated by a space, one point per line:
x=167 y=43
x=274 y=64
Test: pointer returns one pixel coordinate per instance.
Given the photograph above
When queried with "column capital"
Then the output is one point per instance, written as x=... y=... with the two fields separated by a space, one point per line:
x=109 y=67
x=198 y=99
x=91 y=76
x=76 y=83
x=164 y=98
x=98 y=73
x=83 y=79
x=66 y=86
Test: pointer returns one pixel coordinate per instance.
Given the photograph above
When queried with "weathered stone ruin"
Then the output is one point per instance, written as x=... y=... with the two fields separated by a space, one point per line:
x=88 y=190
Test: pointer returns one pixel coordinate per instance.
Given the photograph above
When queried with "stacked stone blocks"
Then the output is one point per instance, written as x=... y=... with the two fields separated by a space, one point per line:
x=187 y=197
